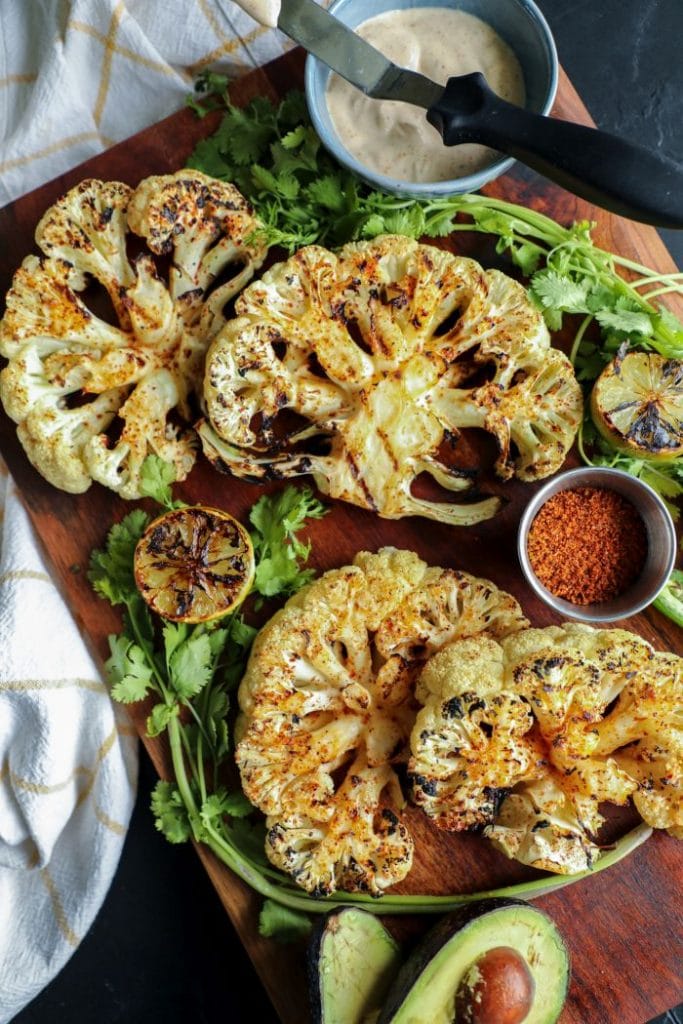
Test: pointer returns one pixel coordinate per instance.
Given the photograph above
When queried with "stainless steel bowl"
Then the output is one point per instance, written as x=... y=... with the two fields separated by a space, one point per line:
x=661 y=543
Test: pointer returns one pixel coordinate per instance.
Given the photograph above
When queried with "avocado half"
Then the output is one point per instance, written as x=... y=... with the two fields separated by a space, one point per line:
x=425 y=988
x=352 y=961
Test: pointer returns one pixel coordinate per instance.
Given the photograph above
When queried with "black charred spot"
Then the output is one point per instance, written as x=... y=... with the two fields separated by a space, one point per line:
x=540 y=824
x=494 y=797
x=427 y=786
x=452 y=708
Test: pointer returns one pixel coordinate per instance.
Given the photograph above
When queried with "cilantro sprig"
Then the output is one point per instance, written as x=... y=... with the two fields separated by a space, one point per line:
x=187 y=672
x=277 y=520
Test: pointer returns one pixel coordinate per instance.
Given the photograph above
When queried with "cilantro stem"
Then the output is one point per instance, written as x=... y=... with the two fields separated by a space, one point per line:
x=578 y=338
x=175 y=740
x=142 y=642
x=580 y=446
x=661 y=291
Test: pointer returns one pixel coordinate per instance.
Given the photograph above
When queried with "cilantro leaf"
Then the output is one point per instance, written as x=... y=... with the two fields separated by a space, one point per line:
x=111 y=568
x=276 y=519
x=215 y=714
x=282 y=923
x=156 y=477
x=128 y=670
x=555 y=292
x=190 y=665
x=627 y=320
x=327 y=192
x=174 y=634
x=170 y=815
x=241 y=638
x=161 y=715
x=220 y=803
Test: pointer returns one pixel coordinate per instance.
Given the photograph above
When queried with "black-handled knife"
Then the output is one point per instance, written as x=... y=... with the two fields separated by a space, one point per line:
x=608 y=171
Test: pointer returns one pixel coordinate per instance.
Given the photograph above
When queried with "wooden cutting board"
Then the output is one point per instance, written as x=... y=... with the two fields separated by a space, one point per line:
x=622 y=926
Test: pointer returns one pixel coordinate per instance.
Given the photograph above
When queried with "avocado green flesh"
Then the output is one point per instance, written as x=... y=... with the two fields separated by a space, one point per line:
x=432 y=996
x=358 y=961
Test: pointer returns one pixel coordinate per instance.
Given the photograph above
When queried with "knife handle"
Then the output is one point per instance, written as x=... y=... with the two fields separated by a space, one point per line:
x=604 y=169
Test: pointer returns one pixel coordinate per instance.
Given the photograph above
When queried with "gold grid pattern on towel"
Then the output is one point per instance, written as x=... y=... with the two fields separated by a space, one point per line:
x=112 y=46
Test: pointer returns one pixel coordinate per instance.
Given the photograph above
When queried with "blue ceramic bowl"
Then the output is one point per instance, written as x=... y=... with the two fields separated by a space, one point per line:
x=518 y=22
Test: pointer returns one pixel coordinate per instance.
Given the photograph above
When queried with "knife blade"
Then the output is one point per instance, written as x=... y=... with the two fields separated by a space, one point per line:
x=343 y=50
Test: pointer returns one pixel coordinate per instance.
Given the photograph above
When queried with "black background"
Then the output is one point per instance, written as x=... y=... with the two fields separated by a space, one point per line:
x=162 y=948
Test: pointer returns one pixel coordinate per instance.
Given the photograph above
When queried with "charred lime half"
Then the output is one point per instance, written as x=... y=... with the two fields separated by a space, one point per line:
x=194 y=564
x=637 y=405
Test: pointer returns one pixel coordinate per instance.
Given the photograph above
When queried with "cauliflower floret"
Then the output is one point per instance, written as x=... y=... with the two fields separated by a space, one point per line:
x=359 y=345
x=209 y=228
x=538 y=825
x=644 y=731
x=87 y=229
x=91 y=399
x=362 y=846
x=563 y=719
x=327 y=712
x=449 y=604
x=469 y=742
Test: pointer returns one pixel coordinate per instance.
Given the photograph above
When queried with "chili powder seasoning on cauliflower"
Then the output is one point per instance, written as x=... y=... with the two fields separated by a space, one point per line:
x=328 y=705
x=91 y=399
x=357 y=366
x=529 y=734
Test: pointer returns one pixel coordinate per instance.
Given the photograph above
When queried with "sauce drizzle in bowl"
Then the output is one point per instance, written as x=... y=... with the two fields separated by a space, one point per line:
x=395 y=138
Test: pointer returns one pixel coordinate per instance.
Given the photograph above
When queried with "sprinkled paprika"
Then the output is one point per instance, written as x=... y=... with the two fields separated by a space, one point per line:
x=587 y=545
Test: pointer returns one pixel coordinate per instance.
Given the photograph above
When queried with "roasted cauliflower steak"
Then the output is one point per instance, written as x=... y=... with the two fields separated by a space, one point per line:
x=529 y=734
x=362 y=367
x=327 y=706
x=91 y=398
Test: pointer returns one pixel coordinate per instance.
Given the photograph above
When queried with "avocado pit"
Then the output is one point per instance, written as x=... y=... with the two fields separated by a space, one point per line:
x=498 y=989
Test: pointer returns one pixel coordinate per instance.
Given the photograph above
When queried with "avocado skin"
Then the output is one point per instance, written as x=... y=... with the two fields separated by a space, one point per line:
x=443 y=933
x=374 y=973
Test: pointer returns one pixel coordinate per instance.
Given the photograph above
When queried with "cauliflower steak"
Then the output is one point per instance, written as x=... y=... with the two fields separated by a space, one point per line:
x=327 y=705
x=361 y=367
x=91 y=398
x=529 y=734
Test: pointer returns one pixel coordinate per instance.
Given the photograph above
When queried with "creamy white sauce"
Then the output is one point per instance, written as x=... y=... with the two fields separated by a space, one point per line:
x=265 y=11
x=395 y=138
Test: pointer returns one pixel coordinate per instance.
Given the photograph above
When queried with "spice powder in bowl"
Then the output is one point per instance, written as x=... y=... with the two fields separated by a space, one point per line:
x=587 y=545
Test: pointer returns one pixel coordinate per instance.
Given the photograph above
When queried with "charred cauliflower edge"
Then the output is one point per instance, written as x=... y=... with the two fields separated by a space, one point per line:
x=384 y=351
x=91 y=400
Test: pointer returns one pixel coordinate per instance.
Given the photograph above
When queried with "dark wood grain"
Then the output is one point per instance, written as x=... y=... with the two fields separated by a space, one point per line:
x=622 y=926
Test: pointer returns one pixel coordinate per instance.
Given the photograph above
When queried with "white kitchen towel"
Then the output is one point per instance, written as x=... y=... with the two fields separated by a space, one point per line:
x=68 y=767
x=78 y=75
x=75 y=77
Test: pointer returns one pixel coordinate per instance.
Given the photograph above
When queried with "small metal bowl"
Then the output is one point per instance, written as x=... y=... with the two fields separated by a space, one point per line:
x=522 y=26
x=661 y=543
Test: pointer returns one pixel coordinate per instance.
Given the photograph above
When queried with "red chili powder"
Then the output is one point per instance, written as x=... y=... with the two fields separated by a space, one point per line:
x=587 y=545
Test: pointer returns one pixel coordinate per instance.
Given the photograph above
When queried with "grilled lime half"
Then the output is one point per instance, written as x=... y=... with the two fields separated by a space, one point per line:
x=637 y=405
x=194 y=564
